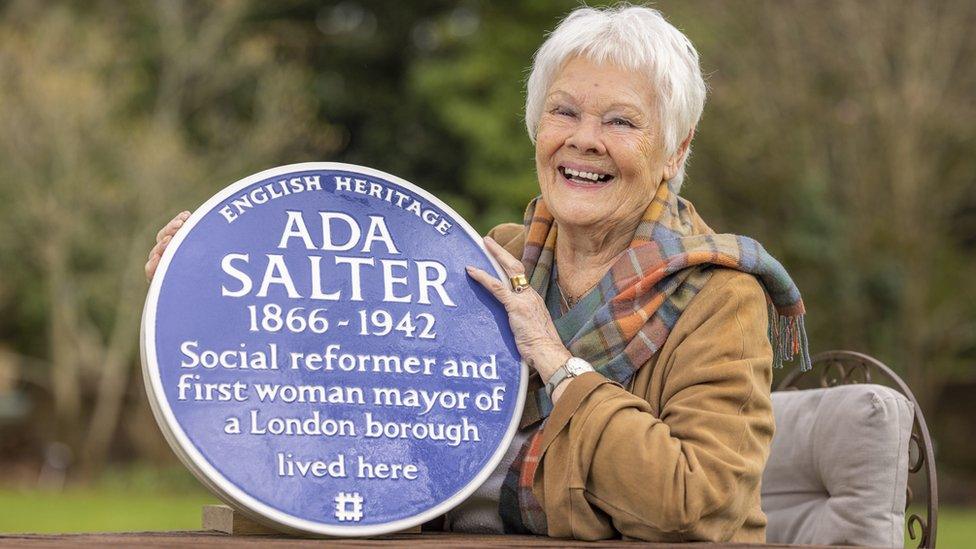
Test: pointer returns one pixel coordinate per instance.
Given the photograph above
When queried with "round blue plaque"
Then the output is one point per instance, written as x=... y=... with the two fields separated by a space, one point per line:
x=315 y=353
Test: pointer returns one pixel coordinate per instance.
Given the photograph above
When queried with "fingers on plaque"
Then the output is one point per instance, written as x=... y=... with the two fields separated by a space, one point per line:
x=490 y=283
x=509 y=263
x=173 y=225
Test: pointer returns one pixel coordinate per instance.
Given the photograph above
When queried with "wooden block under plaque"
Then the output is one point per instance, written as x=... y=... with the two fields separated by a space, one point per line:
x=228 y=520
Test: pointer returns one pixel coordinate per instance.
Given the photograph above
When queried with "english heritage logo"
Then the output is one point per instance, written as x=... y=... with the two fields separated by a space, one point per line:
x=315 y=353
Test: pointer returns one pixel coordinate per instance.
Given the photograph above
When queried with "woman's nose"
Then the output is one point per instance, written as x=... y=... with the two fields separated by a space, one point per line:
x=587 y=136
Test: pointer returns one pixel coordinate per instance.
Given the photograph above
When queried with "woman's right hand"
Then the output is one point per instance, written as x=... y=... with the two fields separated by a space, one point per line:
x=163 y=238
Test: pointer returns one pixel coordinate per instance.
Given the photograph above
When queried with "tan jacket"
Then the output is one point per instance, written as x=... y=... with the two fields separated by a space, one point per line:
x=680 y=453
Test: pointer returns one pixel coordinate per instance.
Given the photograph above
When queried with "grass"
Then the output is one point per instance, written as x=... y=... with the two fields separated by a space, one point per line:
x=93 y=510
x=957 y=528
x=132 y=499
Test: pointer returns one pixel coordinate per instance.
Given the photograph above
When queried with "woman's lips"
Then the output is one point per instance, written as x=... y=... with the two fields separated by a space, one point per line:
x=579 y=183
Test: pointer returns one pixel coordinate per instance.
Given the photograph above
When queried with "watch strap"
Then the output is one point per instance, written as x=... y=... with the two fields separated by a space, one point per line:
x=579 y=367
x=558 y=377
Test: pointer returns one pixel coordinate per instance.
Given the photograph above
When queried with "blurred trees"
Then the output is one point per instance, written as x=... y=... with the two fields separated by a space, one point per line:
x=475 y=84
x=854 y=119
x=853 y=150
x=112 y=118
x=839 y=134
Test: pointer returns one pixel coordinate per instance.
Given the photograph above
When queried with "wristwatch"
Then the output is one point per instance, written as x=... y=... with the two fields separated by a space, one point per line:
x=573 y=367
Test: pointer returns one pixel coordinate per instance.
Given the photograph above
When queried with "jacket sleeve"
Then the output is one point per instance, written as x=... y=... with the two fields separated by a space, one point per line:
x=511 y=236
x=690 y=470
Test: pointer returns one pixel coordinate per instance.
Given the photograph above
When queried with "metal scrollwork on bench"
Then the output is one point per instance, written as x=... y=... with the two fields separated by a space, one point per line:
x=835 y=368
x=836 y=373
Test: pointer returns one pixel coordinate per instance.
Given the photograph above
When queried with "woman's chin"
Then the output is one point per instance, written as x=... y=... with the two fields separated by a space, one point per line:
x=580 y=214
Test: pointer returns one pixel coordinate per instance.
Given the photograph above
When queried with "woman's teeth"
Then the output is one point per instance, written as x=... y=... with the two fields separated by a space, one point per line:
x=585 y=177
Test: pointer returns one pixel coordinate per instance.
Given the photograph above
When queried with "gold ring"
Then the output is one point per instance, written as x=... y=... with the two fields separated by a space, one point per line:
x=519 y=283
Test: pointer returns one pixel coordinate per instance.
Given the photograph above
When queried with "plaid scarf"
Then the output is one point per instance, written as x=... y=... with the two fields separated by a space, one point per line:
x=622 y=322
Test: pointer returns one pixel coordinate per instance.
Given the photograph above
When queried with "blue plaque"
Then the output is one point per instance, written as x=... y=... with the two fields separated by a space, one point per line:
x=315 y=353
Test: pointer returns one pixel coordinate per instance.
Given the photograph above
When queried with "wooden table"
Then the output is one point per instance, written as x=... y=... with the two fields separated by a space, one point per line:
x=218 y=539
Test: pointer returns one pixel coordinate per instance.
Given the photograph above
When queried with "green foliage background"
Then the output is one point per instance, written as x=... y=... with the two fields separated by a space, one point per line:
x=839 y=134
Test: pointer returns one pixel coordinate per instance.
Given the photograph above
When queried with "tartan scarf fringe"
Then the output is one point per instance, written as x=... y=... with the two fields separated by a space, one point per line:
x=788 y=336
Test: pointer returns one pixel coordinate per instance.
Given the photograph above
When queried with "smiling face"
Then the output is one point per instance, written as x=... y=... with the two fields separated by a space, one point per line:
x=599 y=153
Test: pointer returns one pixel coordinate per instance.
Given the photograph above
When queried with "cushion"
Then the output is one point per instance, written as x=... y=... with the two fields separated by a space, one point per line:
x=838 y=466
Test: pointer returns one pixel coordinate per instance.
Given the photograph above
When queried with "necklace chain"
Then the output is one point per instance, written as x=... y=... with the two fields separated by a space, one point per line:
x=572 y=300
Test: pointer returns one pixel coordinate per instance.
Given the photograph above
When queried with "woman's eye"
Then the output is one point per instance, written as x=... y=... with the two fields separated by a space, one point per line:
x=563 y=111
x=621 y=122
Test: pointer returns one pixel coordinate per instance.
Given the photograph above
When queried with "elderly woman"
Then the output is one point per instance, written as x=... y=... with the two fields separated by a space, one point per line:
x=649 y=334
x=649 y=413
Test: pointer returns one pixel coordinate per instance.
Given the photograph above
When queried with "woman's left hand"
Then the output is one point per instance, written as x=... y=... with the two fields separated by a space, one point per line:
x=535 y=334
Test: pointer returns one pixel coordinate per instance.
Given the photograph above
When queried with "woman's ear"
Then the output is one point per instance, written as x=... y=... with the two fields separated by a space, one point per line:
x=674 y=162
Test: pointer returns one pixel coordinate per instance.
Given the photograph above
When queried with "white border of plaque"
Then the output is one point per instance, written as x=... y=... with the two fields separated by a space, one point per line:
x=213 y=479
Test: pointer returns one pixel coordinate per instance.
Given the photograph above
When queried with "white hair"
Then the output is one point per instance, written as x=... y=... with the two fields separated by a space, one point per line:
x=634 y=38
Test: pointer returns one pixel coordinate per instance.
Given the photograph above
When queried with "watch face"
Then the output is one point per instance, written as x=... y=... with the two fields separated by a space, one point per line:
x=577 y=366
